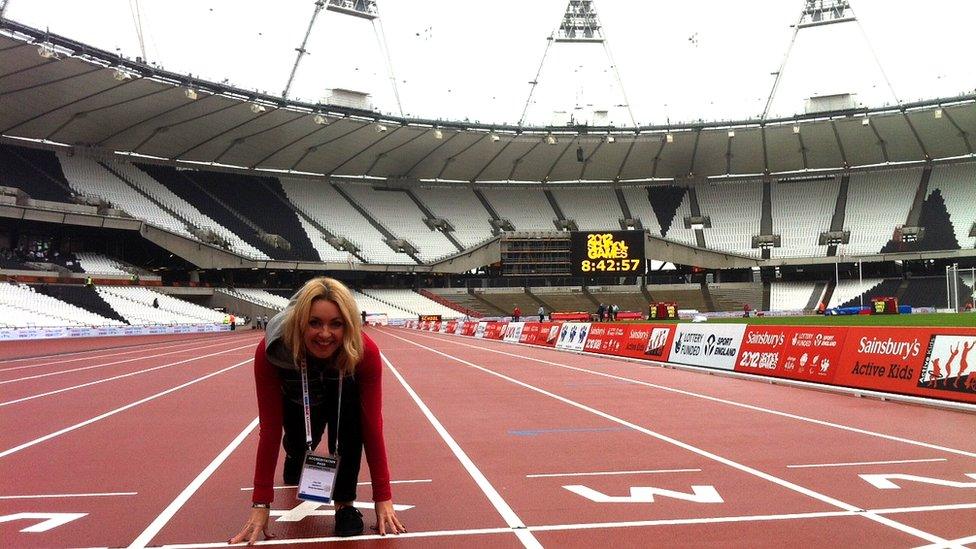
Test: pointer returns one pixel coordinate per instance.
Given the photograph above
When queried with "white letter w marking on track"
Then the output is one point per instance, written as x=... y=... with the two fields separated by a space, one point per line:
x=645 y=494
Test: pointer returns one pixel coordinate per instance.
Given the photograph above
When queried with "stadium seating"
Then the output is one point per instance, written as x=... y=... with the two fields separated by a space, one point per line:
x=33 y=171
x=411 y=301
x=640 y=208
x=94 y=263
x=877 y=202
x=401 y=216
x=462 y=209
x=374 y=306
x=790 y=296
x=319 y=201
x=135 y=304
x=802 y=210
x=848 y=290
x=734 y=209
x=590 y=208
x=257 y=296
x=21 y=306
x=958 y=185
x=527 y=209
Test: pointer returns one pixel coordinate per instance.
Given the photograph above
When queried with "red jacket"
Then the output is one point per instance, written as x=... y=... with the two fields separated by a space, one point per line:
x=369 y=380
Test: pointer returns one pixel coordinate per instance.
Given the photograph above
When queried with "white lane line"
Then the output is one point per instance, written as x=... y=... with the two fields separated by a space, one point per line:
x=129 y=350
x=110 y=413
x=961 y=541
x=503 y=508
x=113 y=378
x=82 y=368
x=715 y=399
x=92 y=495
x=851 y=463
x=371 y=537
x=251 y=488
x=925 y=508
x=601 y=473
x=150 y=532
x=931 y=538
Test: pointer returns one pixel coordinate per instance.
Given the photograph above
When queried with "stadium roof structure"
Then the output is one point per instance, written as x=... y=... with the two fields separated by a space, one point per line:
x=55 y=90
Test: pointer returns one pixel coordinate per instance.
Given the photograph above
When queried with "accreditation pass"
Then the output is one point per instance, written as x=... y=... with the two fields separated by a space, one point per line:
x=318 y=478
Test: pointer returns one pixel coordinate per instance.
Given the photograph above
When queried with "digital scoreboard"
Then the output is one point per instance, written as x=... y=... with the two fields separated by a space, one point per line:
x=594 y=253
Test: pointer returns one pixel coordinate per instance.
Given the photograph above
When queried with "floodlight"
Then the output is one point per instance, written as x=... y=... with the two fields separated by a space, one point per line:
x=438 y=134
x=669 y=138
x=731 y=134
x=380 y=128
x=46 y=50
x=609 y=138
x=551 y=139
x=320 y=119
x=494 y=137
x=190 y=93
x=866 y=122
x=938 y=113
x=257 y=108
x=796 y=129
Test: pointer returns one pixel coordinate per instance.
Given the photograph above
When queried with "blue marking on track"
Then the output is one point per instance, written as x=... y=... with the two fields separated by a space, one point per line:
x=534 y=432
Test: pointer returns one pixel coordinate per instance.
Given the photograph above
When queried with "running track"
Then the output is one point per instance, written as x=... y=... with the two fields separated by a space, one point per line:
x=151 y=442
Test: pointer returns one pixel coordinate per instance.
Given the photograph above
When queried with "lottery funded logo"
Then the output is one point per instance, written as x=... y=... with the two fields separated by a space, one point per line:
x=715 y=346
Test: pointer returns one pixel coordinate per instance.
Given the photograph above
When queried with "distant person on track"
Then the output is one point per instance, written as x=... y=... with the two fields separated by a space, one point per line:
x=542 y=313
x=516 y=314
x=317 y=334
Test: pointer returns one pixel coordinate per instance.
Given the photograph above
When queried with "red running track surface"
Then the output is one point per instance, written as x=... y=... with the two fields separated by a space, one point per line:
x=491 y=445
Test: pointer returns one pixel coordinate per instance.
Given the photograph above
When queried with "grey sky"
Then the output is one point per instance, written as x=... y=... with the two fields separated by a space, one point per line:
x=465 y=59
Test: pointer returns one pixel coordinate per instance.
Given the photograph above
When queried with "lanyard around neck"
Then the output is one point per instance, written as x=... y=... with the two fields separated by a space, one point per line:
x=306 y=403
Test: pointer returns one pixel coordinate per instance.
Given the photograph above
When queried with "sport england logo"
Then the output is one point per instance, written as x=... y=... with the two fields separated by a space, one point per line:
x=677 y=343
x=710 y=345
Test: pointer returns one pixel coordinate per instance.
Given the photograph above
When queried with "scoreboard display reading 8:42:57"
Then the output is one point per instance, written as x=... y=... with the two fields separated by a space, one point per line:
x=606 y=252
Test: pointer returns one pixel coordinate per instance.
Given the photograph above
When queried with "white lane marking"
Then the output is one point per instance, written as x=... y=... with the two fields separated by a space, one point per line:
x=581 y=526
x=110 y=413
x=292 y=486
x=600 y=473
x=961 y=541
x=150 y=532
x=715 y=399
x=113 y=378
x=931 y=538
x=92 y=495
x=82 y=368
x=925 y=508
x=852 y=463
x=503 y=508
x=135 y=348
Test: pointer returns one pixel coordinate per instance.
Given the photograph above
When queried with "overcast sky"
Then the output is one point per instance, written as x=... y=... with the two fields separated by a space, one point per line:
x=465 y=59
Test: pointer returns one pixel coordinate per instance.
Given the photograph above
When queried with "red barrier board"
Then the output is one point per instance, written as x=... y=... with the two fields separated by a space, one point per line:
x=469 y=328
x=580 y=316
x=647 y=341
x=541 y=333
x=929 y=362
x=451 y=326
x=792 y=352
x=495 y=330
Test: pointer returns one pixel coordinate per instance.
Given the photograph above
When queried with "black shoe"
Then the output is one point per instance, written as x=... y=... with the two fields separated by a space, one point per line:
x=292 y=470
x=348 y=522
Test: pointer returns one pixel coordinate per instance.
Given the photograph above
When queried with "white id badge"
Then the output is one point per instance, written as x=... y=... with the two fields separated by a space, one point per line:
x=318 y=478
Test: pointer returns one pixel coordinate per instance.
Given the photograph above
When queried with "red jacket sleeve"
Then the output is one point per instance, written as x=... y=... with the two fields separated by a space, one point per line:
x=369 y=377
x=270 y=428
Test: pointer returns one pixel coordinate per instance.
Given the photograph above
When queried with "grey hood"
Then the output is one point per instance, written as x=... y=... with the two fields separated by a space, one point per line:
x=274 y=344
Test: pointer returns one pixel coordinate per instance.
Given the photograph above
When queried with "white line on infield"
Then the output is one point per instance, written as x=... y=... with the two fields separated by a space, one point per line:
x=251 y=488
x=852 y=463
x=503 y=508
x=600 y=473
x=92 y=495
x=931 y=538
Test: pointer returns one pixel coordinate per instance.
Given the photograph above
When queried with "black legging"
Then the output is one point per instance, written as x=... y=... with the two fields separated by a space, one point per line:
x=350 y=423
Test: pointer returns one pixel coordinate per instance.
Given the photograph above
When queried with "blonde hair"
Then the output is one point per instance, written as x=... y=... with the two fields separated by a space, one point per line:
x=296 y=322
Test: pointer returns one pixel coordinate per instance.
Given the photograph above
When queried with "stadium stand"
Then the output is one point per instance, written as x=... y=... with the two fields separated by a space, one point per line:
x=590 y=208
x=734 y=209
x=957 y=183
x=89 y=178
x=23 y=307
x=848 y=290
x=462 y=298
x=640 y=208
x=398 y=213
x=886 y=288
x=83 y=297
x=94 y=263
x=411 y=301
x=257 y=296
x=526 y=208
x=163 y=195
x=665 y=201
x=34 y=171
x=678 y=232
x=462 y=209
x=731 y=296
x=374 y=306
x=791 y=296
x=801 y=211
x=877 y=202
x=320 y=201
x=628 y=298
x=135 y=304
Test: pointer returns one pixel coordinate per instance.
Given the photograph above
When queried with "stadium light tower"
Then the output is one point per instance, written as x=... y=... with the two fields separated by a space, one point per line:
x=580 y=24
x=817 y=13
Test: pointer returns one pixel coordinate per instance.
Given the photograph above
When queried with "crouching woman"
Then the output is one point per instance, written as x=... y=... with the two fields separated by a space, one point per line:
x=319 y=333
